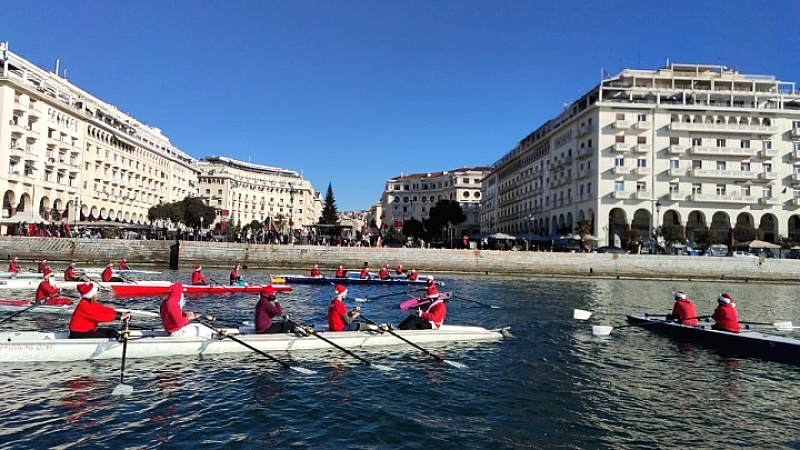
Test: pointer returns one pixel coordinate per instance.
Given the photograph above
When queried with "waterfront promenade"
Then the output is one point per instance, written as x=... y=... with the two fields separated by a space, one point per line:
x=302 y=257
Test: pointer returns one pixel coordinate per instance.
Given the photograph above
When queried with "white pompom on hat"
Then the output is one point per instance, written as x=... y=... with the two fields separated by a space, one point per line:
x=340 y=290
x=197 y=267
x=680 y=295
x=87 y=290
x=725 y=298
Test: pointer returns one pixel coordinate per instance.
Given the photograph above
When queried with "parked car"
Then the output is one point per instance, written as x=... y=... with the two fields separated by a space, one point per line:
x=740 y=254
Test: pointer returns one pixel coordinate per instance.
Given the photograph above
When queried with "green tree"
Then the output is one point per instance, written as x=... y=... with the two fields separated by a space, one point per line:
x=672 y=234
x=445 y=213
x=330 y=215
x=193 y=209
x=785 y=242
x=413 y=228
x=705 y=238
x=746 y=233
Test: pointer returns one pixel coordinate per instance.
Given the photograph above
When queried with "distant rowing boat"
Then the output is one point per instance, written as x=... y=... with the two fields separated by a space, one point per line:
x=146 y=288
x=58 y=310
x=352 y=278
x=27 y=346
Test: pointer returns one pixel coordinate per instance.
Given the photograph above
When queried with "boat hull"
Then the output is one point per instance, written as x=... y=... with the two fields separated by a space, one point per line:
x=162 y=288
x=29 y=346
x=746 y=343
x=57 y=310
x=300 y=279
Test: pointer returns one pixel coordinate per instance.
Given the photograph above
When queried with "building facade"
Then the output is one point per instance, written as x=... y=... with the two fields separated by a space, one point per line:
x=412 y=196
x=74 y=157
x=242 y=192
x=701 y=147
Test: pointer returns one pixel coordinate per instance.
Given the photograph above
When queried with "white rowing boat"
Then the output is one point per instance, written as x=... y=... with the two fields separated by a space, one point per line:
x=29 y=284
x=58 y=310
x=27 y=346
x=99 y=270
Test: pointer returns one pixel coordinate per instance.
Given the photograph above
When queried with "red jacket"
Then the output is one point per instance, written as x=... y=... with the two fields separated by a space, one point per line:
x=198 y=278
x=123 y=266
x=339 y=273
x=233 y=278
x=13 y=266
x=266 y=309
x=364 y=273
x=384 y=274
x=107 y=274
x=726 y=318
x=171 y=315
x=684 y=309
x=46 y=290
x=70 y=274
x=88 y=314
x=314 y=273
x=335 y=313
x=412 y=276
x=435 y=313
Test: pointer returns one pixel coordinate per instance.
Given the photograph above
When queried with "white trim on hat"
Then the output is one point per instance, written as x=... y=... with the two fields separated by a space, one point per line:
x=724 y=298
x=680 y=295
x=92 y=292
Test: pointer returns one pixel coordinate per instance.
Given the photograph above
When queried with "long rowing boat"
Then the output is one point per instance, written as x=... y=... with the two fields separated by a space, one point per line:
x=26 y=346
x=58 y=310
x=352 y=278
x=119 y=272
x=146 y=288
x=748 y=343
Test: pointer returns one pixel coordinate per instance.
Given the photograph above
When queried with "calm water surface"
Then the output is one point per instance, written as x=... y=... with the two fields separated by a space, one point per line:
x=553 y=385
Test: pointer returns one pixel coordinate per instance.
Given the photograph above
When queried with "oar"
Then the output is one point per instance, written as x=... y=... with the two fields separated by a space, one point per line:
x=225 y=287
x=605 y=330
x=285 y=365
x=11 y=316
x=311 y=330
x=785 y=325
x=99 y=283
x=388 y=295
x=135 y=312
x=455 y=364
x=476 y=302
x=123 y=389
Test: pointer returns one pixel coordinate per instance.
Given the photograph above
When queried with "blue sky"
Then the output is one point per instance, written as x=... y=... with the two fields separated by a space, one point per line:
x=356 y=92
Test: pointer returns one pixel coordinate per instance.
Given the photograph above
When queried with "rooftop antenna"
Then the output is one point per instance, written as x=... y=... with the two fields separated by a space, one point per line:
x=58 y=62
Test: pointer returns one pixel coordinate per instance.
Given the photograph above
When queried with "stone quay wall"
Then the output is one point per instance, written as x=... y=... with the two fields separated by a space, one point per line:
x=302 y=257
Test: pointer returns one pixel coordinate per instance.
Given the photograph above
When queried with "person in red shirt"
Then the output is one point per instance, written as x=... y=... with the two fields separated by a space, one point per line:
x=315 y=271
x=197 y=277
x=175 y=320
x=339 y=319
x=107 y=276
x=683 y=311
x=339 y=272
x=47 y=292
x=413 y=275
x=399 y=270
x=89 y=313
x=235 y=277
x=431 y=318
x=13 y=266
x=365 y=275
x=123 y=265
x=267 y=309
x=383 y=274
x=42 y=265
x=725 y=317
x=70 y=274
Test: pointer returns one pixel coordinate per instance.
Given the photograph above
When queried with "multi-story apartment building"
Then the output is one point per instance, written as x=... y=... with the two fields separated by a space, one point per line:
x=699 y=146
x=243 y=192
x=72 y=156
x=412 y=196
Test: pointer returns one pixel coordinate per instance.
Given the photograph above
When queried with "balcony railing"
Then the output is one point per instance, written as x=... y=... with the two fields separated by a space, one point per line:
x=621 y=147
x=769 y=201
x=768 y=175
x=722 y=198
x=642 y=148
x=677 y=196
x=794 y=133
x=677 y=172
x=643 y=125
x=767 y=153
x=623 y=124
x=737 y=174
x=721 y=151
x=621 y=195
x=676 y=149
x=642 y=171
x=621 y=170
x=722 y=127
x=643 y=195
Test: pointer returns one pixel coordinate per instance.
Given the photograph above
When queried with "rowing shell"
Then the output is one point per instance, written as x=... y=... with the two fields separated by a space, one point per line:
x=301 y=279
x=146 y=288
x=56 y=347
x=58 y=310
x=119 y=272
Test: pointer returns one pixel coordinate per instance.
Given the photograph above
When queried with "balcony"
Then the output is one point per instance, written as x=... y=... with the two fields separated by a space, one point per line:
x=584 y=130
x=721 y=128
x=621 y=195
x=727 y=174
x=676 y=149
x=641 y=171
x=14 y=176
x=770 y=201
x=721 y=151
x=586 y=173
x=722 y=198
x=623 y=124
x=677 y=172
x=794 y=133
x=585 y=152
x=768 y=175
x=678 y=196
x=642 y=148
x=767 y=153
x=795 y=201
x=643 y=125
x=621 y=170
x=643 y=195
x=620 y=147
x=16 y=128
x=795 y=178
x=796 y=155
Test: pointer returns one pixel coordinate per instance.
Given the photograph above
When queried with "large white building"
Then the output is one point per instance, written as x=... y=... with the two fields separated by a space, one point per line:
x=412 y=196
x=699 y=146
x=72 y=156
x=243 y=192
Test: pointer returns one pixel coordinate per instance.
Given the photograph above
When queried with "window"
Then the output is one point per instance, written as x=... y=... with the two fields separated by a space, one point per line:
x=744 y=144
x=641 y=162
x=641 y=140
x=721 y=165
x=766 y=192
x=797 y=146
x=720 y=189
x=642 y=117
x=588 y=188
x=674 y=140
x=697 y=142
x=620 y=139
x=745 y=167
x=619 y=186
x=674 y=187
x=674 y=164
x=641 y=186
x=745 y=191
x=721 y=142
x=697 y=188
x=767 y=167
x=621 y=116
x=796 y=124
x=619 y=162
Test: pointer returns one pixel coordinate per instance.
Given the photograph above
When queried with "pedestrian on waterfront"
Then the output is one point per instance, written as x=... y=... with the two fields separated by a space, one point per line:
x=725 y=317
x=267 y=309
x=339 y=273
x=47 y=292
x=315 y=271
x=683 y=311
x=13 y=266
x=176 y=321
x=432 y=317
x=365 y=275
x=339 y=319
x=198 y=279
x=89 y=313
x=107 y=276
x=236 y=278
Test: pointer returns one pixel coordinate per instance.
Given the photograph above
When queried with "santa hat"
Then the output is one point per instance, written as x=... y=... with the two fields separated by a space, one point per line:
x=340 y=290
x=680 y=295
x=47 y=273
x=268 y=290
x=197 y=267
x=87 y=290
x=16 y=258
x=430 y=278
x=725 y=298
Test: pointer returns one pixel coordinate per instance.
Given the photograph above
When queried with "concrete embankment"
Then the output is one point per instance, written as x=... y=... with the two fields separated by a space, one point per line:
x=301 y=257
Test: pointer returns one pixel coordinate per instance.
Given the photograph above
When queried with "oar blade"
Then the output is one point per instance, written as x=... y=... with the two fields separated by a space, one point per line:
x=601 y=330
x=362 y=300
x=303 y=370
x=580 y=314
x=382 y=367
x=122 y=390
x=455 y=364
x=494 y=307
x=783 y=325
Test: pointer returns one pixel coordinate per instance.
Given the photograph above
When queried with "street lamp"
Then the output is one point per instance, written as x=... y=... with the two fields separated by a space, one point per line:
x=658 y=215
x=201 y=227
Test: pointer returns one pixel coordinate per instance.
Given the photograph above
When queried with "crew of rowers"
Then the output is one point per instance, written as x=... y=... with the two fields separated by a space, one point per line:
x=724 y=316
x=365 y=274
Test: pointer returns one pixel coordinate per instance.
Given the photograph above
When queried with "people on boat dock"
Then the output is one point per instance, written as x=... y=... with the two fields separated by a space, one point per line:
x=725 y=316
x=432 y=317
x=123 y=265
x=107 y=275
x=339 y=273
x=13 y=266
x=47 y=293
x=90 y=313
x=267 y=309
x=235 y=277
x=413 y=275
x=365 y=275
x=198 y=279
x=383 y=274
x=339 y=319
x=683 y=311
x=315 y=271
x=71 y=274
x=175 y=320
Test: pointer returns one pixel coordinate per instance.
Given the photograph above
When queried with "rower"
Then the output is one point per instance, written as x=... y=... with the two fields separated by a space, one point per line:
x=339 y=273
x=683 y=311
x=47 y=292
x=89 y=313
x=399 y=270
x=197 y=277
x=315 y=271
x=42 y=265
x=235 y=278
x=123 y=265
x=268 y=308
x=70 y=274
x=725 y=317
x=413 y=275
x=107 y=276
x=176 y=320
x=13 y=266
x=365 y=275
x=339 y=319
x=383 y=274
x=432 y=317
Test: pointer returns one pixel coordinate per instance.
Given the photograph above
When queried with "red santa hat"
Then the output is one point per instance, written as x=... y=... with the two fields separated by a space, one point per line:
x=197 y=267
x=87 y=290
x=680 y=295
x=725 y=298
x=16 y=258
x=340 y=290
x=268 y=290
